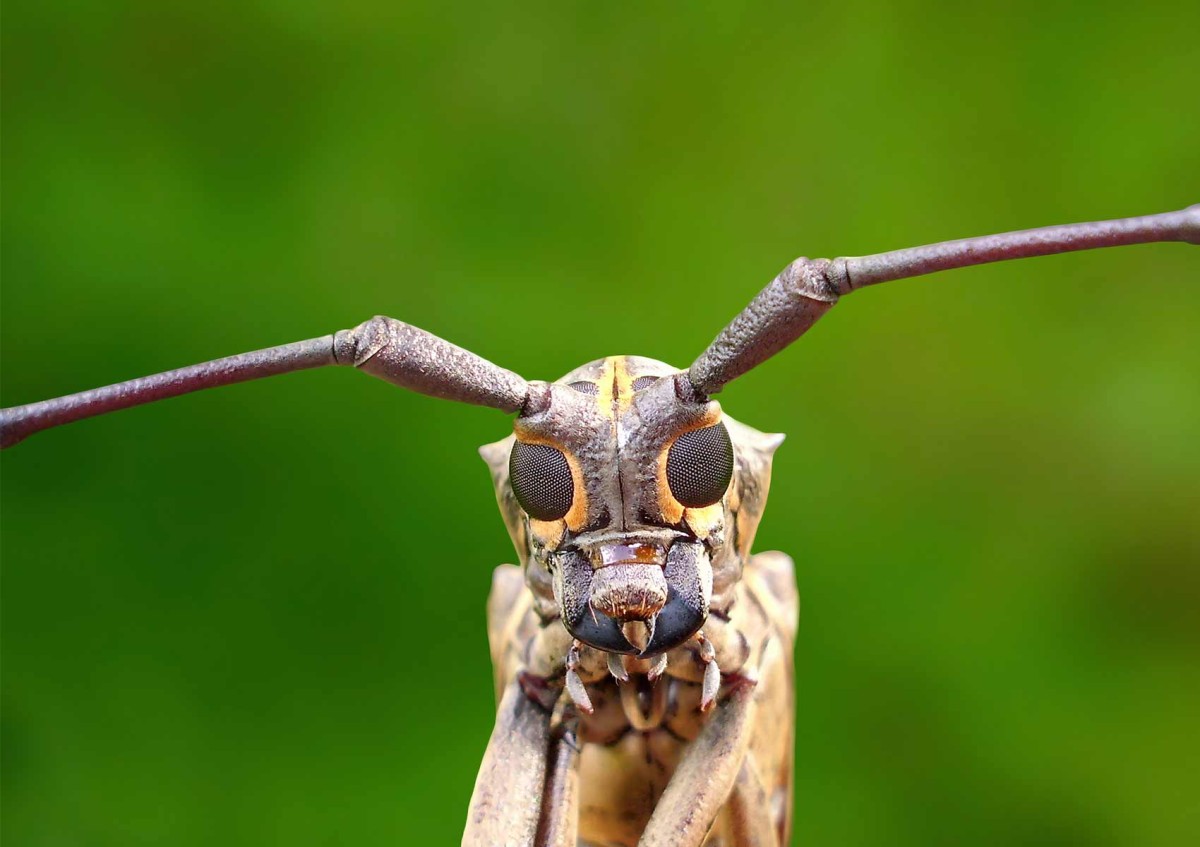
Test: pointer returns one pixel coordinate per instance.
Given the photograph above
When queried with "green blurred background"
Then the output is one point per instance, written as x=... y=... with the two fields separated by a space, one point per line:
x=255 y=616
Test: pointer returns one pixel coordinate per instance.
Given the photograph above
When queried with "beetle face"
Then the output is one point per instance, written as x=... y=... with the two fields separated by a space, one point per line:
x=632 y=501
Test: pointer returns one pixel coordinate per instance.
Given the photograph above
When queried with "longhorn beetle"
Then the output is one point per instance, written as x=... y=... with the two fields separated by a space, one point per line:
x=642 y=653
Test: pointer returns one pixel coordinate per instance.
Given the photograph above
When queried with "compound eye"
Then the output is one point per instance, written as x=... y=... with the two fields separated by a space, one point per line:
x=700 y=466
x=541 y=479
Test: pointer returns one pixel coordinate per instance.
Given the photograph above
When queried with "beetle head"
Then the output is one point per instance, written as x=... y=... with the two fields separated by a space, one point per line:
x=632 y=501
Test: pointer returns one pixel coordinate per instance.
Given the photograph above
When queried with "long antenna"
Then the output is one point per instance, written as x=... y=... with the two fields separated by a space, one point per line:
x=384 y=347
x=808 y=288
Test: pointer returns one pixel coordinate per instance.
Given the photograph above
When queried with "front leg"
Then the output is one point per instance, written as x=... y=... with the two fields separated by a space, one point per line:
x=527 y=790
x=706 y=774
x=559 y=825
x=505 y=806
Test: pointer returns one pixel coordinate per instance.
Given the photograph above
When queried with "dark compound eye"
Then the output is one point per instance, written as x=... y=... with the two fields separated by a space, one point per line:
x=643 y=382
x=700 y=465
x=541 y=479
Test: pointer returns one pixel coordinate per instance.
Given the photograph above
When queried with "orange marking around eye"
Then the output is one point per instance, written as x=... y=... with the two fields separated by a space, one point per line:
x=576 y=516
x=703 y=520
x=672 y=509
x=548 y=533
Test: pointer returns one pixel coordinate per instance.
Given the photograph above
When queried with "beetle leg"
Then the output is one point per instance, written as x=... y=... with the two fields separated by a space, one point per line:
x=559 y=823
x=658 y=666
x=706 y=774
x=751 y=821
x=575 y=686
x=503 y=806
x=616 y=667
x=712 y=673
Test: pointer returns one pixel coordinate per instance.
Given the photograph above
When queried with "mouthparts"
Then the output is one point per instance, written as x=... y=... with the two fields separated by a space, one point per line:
x=634 y=598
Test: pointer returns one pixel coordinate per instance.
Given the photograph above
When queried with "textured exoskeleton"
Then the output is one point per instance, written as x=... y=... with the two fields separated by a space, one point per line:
x=640 y=714
x=642 y=654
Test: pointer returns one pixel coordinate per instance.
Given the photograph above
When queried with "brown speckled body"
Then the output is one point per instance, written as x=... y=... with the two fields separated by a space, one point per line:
x=632 y=742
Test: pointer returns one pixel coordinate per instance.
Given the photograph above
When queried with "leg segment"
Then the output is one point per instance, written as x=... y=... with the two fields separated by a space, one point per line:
x=559 y=825
x=505 y=807
x=706 y=775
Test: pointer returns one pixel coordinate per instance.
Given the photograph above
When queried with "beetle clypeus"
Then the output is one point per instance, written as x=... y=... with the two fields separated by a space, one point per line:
x=641 y=652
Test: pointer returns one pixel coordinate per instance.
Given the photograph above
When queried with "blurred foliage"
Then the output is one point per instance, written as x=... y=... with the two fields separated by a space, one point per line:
x=255 y=615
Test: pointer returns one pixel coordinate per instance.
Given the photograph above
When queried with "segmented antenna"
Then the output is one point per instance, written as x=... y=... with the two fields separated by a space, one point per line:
x=384 y=347
x=808 y=288
x=419 y=361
